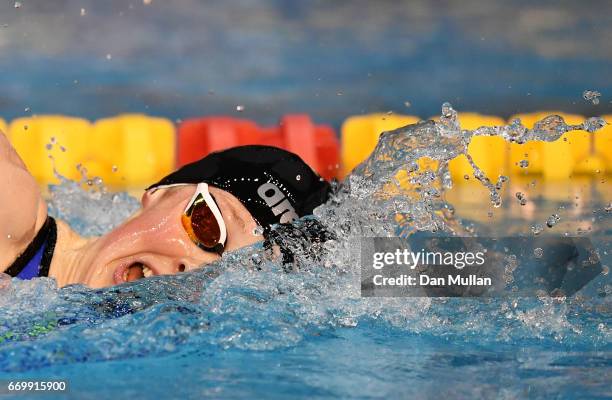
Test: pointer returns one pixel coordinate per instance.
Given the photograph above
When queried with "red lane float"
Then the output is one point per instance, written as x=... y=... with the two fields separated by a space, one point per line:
x=316 y=144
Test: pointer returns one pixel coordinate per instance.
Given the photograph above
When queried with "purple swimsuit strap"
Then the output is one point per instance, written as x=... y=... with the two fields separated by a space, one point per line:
x=35 y=261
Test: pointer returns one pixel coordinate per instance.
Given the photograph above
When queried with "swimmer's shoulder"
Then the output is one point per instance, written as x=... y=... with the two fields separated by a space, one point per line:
x=22 y=209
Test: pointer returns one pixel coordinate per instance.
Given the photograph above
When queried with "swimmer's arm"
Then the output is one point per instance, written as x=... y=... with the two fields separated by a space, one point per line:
x=22 y=209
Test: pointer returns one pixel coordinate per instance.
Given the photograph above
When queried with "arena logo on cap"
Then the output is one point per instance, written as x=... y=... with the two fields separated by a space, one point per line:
x=276 y=199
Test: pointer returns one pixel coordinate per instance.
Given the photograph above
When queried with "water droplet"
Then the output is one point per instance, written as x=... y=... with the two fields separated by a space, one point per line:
x=537 y=229
x=466 y=177
x=538 y=252
x=27 y=109
x=256 y=259
x=147 y=2
x=49 y=146
x=109 y=56
x=240 y=108
x=592 y=96
x=298 y=177
x=523 y=163
x=608 y=207
x=407 y=104
x=552 y=220
x=593 y=124
x=114 y=168
x=17 y=4
x=9 y=236
x=83 y=12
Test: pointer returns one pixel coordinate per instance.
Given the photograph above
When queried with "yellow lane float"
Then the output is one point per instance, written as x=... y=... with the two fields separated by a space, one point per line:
x=132 y=150
x=603 y=144
x=559 y=160
x=127 y=151
x=40 y=139
x=490 y=153
x=359 y=135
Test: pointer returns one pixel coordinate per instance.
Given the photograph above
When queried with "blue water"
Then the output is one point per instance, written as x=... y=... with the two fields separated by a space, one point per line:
x=371 y=361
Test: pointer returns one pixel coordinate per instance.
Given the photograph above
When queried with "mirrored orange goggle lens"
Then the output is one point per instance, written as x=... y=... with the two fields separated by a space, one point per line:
x=202 y=225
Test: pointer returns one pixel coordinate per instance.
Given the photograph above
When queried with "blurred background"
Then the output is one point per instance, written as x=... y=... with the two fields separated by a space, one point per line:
x=262 y=59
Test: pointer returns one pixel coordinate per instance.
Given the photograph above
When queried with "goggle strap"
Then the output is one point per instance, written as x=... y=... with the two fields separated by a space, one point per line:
x=156 y=188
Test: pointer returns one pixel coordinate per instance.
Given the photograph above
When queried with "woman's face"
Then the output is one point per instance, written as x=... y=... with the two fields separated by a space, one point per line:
x=154 y=242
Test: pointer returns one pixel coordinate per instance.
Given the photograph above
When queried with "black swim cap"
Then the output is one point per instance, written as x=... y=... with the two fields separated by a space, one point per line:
x=276 y=186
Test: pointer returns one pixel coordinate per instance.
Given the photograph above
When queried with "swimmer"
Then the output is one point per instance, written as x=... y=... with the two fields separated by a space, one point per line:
x=225 y=201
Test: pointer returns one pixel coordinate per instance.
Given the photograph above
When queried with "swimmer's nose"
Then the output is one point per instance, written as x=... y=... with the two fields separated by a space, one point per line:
x=168 y=267
x=142 y=269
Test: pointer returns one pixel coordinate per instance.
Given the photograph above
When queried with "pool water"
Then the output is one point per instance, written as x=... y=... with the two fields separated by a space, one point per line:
x=245 y=328
x=368 y=361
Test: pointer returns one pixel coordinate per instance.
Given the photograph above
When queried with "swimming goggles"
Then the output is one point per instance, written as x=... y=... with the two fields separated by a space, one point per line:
x=203 y=221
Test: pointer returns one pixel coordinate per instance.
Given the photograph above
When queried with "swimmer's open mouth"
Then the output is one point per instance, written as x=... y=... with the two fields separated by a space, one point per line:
x=132 y=272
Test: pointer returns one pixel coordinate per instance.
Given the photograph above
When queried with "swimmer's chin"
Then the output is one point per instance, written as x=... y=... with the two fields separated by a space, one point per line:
x=72 y=256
